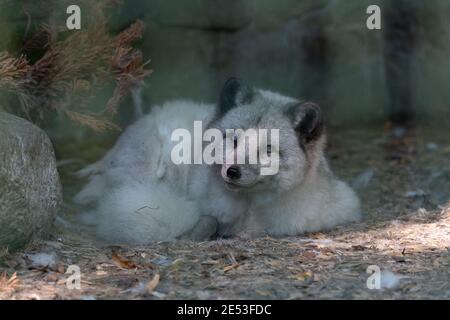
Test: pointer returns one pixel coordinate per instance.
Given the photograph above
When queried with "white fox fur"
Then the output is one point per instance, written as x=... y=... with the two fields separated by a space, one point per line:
x=138 y=173
x=143 y=213
x=140 y=196
x=323 y=202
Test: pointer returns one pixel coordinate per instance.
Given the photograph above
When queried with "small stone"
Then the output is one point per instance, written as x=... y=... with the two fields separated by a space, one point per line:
x=431 y=146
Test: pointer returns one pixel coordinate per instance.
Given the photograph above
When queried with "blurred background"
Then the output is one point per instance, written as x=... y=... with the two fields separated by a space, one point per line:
x=319 y=50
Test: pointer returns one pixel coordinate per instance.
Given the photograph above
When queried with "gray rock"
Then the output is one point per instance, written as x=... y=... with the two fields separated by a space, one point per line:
x=30 y=190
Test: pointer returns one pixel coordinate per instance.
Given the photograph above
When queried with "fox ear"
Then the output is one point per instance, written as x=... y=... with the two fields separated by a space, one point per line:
x=234 y=93
x=308 y=121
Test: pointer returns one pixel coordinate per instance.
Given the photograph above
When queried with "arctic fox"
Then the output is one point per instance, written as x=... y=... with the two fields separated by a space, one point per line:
x=139 y=195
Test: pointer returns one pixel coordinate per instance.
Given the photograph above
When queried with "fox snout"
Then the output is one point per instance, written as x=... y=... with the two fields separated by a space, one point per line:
x=231 y=173
x=233 y=176
x=240 y=177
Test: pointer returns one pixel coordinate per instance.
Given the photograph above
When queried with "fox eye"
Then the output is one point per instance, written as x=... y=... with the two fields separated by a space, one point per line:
x=269 y=149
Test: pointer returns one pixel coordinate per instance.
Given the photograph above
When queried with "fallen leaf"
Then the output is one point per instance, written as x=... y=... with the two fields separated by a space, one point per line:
x=151 y=286
x=309 y=255
x=303 y=276
x=230 y=267
x=327 y=251
x=60 y=268
x=122 y=262
x=177 y=264
x=263 y=293
x=51 y=277
x=8 y=283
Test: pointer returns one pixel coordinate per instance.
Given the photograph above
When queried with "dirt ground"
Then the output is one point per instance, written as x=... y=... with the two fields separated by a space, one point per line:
x=402 y=177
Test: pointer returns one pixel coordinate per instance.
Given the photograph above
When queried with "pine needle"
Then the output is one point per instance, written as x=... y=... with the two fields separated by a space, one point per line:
x=74 y=68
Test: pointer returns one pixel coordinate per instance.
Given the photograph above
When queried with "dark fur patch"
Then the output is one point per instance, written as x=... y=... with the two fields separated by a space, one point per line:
x=234 y=93
x=308 y=121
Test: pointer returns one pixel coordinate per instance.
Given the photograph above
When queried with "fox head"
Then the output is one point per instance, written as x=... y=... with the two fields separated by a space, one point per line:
x=295 y=138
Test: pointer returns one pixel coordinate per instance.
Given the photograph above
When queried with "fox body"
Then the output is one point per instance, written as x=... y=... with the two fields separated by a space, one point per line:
x=139 y=195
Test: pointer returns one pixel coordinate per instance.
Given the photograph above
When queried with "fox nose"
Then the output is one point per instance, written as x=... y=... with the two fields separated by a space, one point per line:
x=233 y=173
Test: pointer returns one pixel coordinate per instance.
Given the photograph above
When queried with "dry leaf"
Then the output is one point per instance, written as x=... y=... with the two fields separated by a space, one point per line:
x=309 y=255
x=8 y=284
x=230 y=267
x=263 y=293
x=151 y=286
x=328 y=251
x=122 y=262
x=304 y=275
